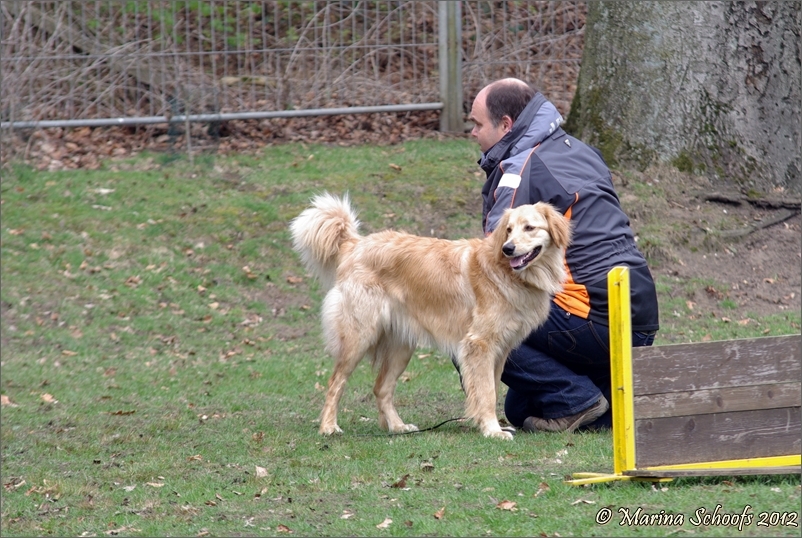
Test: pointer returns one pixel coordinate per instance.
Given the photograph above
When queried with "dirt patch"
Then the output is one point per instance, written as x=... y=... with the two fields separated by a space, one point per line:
x=745 y=251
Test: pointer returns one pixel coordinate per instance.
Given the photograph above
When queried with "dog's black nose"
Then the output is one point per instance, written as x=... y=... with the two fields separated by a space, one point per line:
x=508 y=249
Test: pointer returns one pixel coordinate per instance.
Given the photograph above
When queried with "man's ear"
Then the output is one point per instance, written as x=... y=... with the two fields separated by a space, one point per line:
x=507 y=122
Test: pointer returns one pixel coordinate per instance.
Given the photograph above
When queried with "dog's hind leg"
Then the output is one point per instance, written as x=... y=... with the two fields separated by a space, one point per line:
x=391 y=358
x=350 y=329
x=344 y=365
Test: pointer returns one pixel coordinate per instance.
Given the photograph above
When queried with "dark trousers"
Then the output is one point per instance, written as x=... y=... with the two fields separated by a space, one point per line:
x=562 y=368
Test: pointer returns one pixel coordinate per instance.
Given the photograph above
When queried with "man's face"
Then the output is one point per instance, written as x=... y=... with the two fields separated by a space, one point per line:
x=483 y=130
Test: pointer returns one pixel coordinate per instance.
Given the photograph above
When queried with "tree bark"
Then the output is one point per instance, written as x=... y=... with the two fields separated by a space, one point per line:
x=711 y=87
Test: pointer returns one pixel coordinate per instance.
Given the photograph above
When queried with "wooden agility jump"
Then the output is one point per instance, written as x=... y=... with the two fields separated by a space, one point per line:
x=715 y=408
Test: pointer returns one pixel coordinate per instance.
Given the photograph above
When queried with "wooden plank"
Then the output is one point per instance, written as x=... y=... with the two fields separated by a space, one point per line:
x=735 y=471
x=702 y=402
x=710 y=365
x=718 y=436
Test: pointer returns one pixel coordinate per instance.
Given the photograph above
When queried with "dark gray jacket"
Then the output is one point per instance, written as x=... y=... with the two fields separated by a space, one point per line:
x=538 y=161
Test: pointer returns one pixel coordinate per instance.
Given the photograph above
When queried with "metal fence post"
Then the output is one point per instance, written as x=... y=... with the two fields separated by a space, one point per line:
x=450 y=51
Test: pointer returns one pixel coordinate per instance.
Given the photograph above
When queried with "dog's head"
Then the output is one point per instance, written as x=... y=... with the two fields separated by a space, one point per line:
x=528 y=230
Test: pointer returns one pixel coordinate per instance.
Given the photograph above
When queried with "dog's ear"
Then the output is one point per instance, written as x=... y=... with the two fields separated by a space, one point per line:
x=499 y=235
x=559 y=226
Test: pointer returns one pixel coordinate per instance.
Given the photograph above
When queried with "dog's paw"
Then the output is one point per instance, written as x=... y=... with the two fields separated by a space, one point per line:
x=330 y=429
x=500 y=434
x=405 y=428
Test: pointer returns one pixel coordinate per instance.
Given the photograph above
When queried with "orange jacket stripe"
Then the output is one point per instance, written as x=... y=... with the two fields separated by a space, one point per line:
x=574 y=298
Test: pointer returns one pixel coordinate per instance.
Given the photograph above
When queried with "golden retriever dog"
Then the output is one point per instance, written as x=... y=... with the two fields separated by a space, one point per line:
x=389 y=292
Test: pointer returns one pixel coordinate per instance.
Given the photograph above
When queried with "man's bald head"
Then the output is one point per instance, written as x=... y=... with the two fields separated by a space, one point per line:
x=506 y=97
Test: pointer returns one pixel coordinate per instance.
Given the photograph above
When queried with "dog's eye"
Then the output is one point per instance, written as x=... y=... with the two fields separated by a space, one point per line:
x=509 y=230
x=529 y=228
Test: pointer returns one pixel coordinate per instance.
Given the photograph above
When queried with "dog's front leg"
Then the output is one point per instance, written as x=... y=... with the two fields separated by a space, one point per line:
x=478 y=362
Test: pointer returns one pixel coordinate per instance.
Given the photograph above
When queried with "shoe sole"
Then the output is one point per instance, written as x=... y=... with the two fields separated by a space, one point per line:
x=589 y=417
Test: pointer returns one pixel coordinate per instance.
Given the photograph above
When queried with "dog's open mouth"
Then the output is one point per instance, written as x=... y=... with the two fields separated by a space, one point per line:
x=519 y=262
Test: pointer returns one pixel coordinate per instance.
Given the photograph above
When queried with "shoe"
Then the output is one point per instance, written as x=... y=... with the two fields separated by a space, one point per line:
x=567 y=424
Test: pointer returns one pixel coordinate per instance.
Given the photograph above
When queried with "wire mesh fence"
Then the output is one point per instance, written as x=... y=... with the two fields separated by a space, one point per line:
x=91 y=59
x=539 y=42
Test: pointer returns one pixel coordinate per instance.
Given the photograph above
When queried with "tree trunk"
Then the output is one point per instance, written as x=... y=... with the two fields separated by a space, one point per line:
x=711 y=87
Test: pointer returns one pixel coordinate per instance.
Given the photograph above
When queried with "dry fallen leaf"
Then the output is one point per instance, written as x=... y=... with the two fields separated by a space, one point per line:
x=283 y=528
x=395 y=167
x=48 y=398
x=401 y=483
x=582 y=501
x=155 y=484
x=294 y=279
x=541 y=489
x=261 y=472
x=384 y=524
x=440 y=513
x=507 y=505
x=121 y=530
x=14 y=485
x=4 y=400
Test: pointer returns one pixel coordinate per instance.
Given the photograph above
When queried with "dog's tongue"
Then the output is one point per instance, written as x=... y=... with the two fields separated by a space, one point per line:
x=517 y=261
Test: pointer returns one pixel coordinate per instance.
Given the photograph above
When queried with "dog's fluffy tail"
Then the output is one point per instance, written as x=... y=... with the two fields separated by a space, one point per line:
x=319 y=233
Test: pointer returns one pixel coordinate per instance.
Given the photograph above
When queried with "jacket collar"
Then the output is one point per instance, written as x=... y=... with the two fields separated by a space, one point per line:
x=538 y=120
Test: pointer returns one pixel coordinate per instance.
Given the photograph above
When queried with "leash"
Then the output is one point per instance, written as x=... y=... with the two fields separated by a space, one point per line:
x=429 y=429
x=509 y=429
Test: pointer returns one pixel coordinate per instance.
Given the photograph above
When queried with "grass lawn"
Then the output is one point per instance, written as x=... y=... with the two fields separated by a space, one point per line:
x=162 y=370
